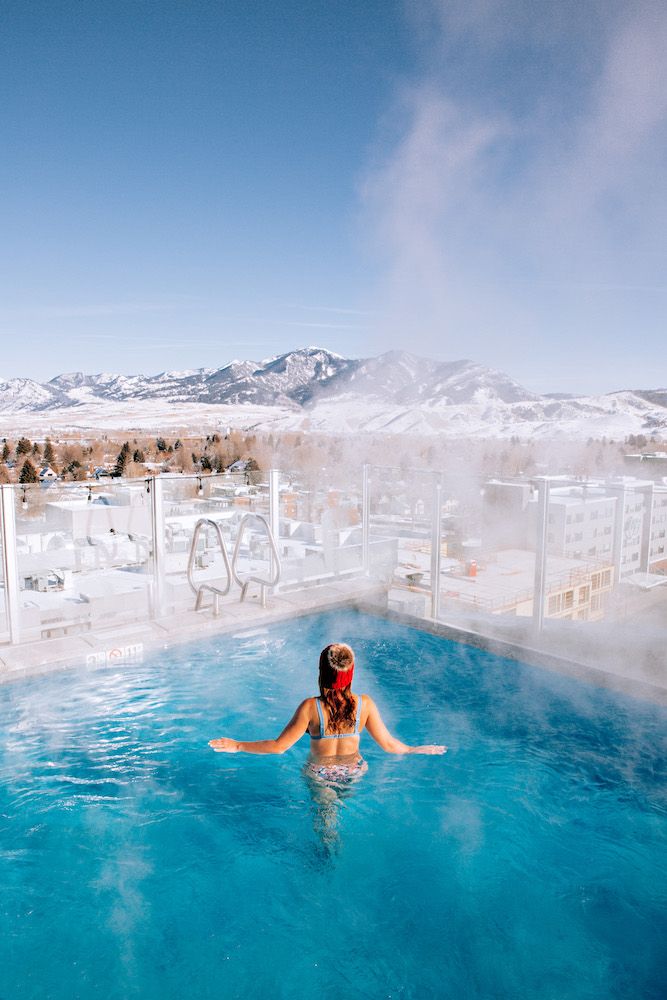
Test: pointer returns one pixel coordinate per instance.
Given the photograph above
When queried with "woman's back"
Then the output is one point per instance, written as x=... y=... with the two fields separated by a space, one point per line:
x=324 y=743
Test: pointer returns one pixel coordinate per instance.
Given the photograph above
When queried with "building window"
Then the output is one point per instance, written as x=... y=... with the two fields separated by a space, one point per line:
x=595 y=602
x=584 y=594
x=568 y=599
x=595 y=581
x=554 y=604
x=606 y=578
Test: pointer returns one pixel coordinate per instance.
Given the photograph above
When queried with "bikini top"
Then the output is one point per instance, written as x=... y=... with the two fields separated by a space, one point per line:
x=336 y=736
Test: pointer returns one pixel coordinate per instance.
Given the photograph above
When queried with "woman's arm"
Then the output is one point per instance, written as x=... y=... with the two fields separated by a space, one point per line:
x=292 y=732
x=383 y=737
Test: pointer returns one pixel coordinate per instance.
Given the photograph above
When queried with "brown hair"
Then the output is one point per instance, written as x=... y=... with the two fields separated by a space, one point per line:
x=340 y=702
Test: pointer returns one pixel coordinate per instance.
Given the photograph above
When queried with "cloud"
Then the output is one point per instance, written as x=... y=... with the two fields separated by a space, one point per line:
x=101 y=310
x=428 y=207
x=618 y=142
x=328 y=326
x=335 y=309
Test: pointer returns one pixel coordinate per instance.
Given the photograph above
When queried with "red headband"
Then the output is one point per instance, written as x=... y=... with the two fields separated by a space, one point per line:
x=343 y=679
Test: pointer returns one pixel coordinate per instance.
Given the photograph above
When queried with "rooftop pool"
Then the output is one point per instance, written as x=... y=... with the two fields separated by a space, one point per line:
x=529 y=861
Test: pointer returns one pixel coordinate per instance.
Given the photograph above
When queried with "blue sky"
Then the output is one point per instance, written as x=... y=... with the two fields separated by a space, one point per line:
x=188 y=182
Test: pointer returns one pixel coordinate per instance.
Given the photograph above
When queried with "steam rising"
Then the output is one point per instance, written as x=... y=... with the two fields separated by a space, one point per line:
x=524 y=206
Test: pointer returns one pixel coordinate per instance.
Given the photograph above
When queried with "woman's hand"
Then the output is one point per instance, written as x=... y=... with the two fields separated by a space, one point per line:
x=430 y=749
x=224 y=745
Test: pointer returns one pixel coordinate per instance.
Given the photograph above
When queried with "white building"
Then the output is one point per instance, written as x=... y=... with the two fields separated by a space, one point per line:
x=622 y=521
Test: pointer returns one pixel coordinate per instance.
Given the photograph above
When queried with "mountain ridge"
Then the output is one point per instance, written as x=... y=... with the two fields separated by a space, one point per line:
x=392 y=390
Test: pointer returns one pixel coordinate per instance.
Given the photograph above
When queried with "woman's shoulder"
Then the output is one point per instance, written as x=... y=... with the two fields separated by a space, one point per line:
x=307 y=707
x=367 y=705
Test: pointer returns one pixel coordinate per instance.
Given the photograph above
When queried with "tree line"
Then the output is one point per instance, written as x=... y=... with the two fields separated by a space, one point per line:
x=25 y=461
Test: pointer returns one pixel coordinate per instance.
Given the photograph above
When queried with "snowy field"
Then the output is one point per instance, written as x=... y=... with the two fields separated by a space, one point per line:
x=612 y=416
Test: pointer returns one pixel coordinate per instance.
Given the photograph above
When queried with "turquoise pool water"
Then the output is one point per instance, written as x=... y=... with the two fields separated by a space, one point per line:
x=530 y=861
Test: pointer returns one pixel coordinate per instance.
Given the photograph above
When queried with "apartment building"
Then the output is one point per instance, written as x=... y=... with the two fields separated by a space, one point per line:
x=657 y=536
x=580 y=523
x=622 y=521
x=575 y=589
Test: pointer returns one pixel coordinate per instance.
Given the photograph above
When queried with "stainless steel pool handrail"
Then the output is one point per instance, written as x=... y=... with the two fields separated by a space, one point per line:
x=201 y=588
x=277 y=569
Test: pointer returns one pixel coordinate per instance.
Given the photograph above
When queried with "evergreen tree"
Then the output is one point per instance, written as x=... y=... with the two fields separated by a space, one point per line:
x=177 y=444
x=206 y=463
x=138 y=456
x=160 y=444
x=36 y=450
x=6 y=452
x=28 y=473
x=74 y=470
x=122 y=460
x=49 y=453
x=24 y=446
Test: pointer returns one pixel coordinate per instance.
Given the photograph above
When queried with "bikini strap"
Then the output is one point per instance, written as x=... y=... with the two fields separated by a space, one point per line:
x=319 y=712
x=357 y=721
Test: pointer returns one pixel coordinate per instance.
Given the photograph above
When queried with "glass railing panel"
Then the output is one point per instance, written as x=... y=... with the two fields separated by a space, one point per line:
x=320 y=533
x=401 y=510
x=493 y=590
x=467 y=591
x=84 y=556
x=4 y=617
x=582 y=574
x=606 y=595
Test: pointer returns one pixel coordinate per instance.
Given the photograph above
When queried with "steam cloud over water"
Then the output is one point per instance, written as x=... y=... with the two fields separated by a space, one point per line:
x=517 y=198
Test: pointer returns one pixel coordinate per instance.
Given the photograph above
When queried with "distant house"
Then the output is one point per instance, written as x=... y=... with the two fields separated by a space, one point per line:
x=46 y=474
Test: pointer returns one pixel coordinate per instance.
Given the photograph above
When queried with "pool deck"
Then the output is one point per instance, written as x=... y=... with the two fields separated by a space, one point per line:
x=128 y=643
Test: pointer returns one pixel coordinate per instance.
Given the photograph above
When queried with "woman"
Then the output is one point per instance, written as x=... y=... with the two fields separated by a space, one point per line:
x=334 y=722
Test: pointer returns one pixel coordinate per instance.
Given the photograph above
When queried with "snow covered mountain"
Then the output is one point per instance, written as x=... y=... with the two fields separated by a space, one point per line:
x=299 y=378
x=311 y=387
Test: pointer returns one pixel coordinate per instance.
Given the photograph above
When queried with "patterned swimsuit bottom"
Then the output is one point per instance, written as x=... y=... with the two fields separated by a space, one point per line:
x=329 y=771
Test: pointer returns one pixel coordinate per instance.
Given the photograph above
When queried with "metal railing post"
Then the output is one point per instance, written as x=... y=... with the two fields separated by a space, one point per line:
x=158 y=546
x=540 y=585
x=619 y=531
x=274 y=512
x=366 y=519
x=10 y=569
x=436 y=546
